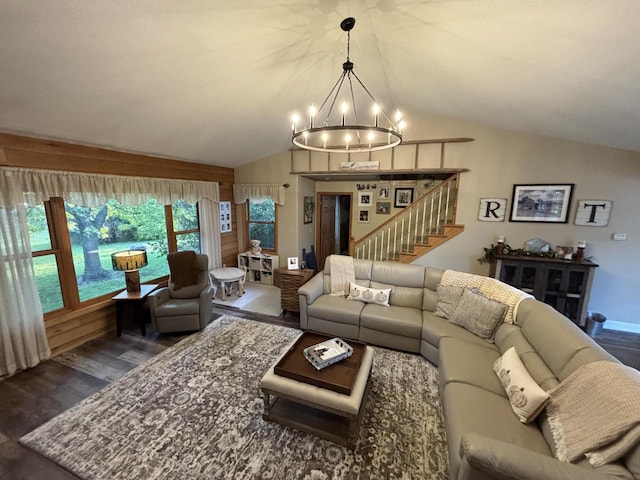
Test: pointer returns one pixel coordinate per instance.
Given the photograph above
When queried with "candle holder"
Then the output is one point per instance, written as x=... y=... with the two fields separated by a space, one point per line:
x=579 y=254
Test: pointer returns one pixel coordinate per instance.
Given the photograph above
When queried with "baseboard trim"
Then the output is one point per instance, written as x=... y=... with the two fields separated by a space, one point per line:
x=622 y=326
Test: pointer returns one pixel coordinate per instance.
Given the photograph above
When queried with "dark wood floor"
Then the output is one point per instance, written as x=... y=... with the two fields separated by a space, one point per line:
x=30 y=398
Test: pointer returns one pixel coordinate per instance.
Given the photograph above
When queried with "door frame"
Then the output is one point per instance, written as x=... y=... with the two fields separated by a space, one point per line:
x=319 y=217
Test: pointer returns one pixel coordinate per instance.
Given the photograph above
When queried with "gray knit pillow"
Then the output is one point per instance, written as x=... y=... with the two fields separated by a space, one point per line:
x=448 y=298
x=478 y=314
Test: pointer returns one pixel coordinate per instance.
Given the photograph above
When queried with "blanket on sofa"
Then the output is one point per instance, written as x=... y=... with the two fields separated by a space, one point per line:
x=342 y=274
x=595 y=412
x=490 y=288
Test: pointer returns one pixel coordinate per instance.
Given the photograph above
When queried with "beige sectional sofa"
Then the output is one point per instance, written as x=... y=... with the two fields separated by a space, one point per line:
x=486 y=440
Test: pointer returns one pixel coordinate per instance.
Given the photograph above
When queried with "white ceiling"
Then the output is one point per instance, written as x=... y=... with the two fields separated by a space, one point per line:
x=216 y=82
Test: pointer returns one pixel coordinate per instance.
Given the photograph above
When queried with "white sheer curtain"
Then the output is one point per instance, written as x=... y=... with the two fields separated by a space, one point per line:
x=258 y=192
x=210 y=232
x=23 y=341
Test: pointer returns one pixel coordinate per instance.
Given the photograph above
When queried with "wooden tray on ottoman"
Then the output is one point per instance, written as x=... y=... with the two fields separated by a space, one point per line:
x=338 y=377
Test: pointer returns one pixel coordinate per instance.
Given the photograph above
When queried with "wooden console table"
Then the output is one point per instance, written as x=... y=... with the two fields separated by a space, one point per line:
x=289 y=282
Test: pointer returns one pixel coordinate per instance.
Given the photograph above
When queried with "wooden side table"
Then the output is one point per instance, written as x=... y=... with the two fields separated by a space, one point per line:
x=137 y=300
x=290 y=281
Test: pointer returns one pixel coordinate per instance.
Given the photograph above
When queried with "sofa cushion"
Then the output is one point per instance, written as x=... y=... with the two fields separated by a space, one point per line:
x=525 y=395
x=562 y=345
x=470 y=409
x=434 y=329
x=480 y=315
x=465 y=362
x=397 y=320
x=337 y=308
x=432 y=277
x=177 y=306
x=369 y=295
x=448 y=299
x=362 y=270
x=398 y=274
x=509 y=335
x=410 y=297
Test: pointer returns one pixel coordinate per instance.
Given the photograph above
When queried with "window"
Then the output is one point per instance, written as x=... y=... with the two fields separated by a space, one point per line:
x=45 y=253
x=98 y=232
x=72 y=245
x=262 y=223
x=185 y=225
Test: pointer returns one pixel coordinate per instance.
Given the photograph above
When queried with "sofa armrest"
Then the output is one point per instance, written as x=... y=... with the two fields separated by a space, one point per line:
x=484 y=458
x=206 y=305
x=158 y=296
x=307 y=294
x=312 y=289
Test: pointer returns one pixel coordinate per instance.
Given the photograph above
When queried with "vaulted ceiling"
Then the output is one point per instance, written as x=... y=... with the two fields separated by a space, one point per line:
x=216 y=82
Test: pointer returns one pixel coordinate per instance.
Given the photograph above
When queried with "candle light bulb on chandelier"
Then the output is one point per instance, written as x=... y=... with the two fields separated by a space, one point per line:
x=294 y=121
x=312 y=114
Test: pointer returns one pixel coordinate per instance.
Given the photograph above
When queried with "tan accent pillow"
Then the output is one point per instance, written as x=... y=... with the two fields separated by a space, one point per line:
x=369 y=295
x=448 y=298
x=184 y=269
x=478 y=314
x=525 y=395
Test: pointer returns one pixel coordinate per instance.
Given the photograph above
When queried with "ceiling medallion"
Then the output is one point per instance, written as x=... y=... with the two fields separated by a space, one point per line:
x=346 y=134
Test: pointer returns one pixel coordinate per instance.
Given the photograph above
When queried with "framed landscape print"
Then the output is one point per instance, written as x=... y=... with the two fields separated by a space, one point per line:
x=403 y=197
x=543 y=203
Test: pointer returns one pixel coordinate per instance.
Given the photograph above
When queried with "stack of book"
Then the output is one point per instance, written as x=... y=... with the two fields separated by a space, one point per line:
x=328 y=352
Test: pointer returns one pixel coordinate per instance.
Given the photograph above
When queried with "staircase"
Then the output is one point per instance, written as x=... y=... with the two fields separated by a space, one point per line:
x=419 y=228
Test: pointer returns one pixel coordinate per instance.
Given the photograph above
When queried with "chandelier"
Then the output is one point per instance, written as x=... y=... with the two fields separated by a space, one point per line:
x=342 y=132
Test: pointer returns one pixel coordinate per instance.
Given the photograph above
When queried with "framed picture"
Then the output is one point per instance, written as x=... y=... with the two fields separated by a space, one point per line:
x=292 y=263
x=383 y=208
x=593 y=213
x=403 y=197
x=364 y=199
x=225 y=217
x=492 y=209
x=308 y=210
x=384 y=191
x=566 y=253
x=542 y=203
x=363 y=216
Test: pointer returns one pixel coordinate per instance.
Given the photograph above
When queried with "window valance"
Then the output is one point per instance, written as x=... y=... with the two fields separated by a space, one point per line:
x=258 y=192
x=33 y=186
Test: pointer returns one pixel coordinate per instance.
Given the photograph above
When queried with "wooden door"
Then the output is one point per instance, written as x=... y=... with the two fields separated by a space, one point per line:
x=327 y=222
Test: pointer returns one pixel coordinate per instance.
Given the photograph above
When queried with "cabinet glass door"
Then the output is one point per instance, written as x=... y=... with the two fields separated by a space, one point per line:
x=553 y=294
x=508 y=274
x=528 y=279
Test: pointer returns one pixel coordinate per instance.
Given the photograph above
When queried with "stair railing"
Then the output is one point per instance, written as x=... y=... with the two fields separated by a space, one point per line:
x=428 y=215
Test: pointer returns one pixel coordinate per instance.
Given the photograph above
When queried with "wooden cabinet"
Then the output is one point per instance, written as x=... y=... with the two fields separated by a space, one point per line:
x=261 y=267
x=289 y=282
x=563 y=284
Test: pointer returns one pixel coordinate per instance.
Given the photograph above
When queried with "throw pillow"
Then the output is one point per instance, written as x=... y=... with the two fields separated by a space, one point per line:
x=448 y=299
x=369 y=295
x=183 y=267
x=480 y=315
x=525 y=395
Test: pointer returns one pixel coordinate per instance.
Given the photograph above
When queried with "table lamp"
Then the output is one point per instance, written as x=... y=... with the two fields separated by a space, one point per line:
x=129 y=261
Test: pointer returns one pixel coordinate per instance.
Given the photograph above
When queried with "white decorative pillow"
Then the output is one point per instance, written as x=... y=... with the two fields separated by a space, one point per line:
x=478 y=314
x=525 y=395
x=369 y=295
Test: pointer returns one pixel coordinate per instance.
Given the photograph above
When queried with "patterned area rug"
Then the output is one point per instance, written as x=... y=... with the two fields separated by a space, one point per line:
x=194 y=411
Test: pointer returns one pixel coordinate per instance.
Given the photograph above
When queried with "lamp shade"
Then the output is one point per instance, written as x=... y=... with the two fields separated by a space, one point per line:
x=126 y=260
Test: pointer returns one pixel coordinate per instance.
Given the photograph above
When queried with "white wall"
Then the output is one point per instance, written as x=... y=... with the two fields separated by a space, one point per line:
x=497 y=160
